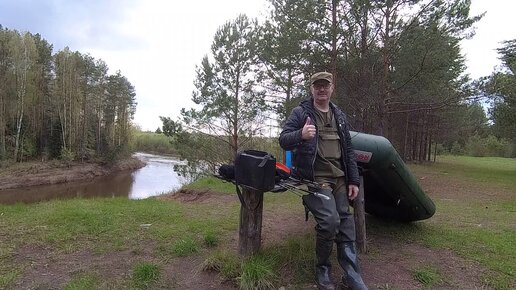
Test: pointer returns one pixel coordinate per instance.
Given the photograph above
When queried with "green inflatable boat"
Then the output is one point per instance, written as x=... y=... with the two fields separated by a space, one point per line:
x=390 y=190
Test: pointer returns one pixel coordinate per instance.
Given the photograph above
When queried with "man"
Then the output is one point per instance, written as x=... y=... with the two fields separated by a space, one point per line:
x=317 y=134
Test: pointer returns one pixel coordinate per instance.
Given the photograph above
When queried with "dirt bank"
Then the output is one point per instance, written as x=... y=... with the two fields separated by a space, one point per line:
x=52 y=172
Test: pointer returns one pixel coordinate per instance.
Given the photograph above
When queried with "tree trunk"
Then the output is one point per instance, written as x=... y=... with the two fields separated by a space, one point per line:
x=421 y=144
x=250 y=231
x=405 y=138
x=426 y=140
x=3 y=154
x=385 y=78
x=334 y=52
x=20 y=111
x=429 y=156
x=414 y=143
x=235 y=117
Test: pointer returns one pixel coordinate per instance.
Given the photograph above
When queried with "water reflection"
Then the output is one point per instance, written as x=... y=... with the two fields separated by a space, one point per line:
x=155 y=178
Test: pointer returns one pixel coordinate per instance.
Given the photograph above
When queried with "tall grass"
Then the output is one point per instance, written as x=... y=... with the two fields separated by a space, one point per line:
x=145 y=275
x=291 y=262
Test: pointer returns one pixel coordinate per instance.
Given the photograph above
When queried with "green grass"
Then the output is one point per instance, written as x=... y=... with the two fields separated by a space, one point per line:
x=107 y=225
x=258 y=272
x=7 y=277
x=427 y=276
x=185 y=247
x=493 y=170
x=145 y=275
x=211 y=239
x=227 y=264
x=83 y=282
x=481 y=230
x=295 y=258
x=214 y=184
x=83 y=223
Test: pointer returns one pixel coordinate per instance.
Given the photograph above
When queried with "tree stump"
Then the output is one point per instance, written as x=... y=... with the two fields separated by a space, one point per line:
x=250 y=231
x=359 y=214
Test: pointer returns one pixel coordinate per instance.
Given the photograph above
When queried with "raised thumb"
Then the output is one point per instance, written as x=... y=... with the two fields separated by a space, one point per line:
x=308 y=121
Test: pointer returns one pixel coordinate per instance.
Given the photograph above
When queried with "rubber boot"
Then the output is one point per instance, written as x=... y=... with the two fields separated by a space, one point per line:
x=323 y=268
x=348 y=260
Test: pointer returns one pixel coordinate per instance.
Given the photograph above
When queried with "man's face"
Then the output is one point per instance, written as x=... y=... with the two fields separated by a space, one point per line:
x=321 y=90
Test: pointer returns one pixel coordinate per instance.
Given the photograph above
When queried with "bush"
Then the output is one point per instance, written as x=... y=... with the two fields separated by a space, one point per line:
x=489 y=146
x=67 y=155
x=152 y=143
x=498 y=147
x=441 y=150
x=456 y=149
x=475 y=146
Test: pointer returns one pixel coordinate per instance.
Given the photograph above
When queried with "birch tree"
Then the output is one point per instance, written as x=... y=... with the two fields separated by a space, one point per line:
x=23 y=52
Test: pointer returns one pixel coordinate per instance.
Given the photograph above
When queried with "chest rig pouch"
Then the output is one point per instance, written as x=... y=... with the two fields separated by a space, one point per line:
x=329 y=140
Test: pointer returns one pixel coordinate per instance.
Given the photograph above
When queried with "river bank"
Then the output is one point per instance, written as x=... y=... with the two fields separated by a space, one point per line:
x=189 y=240
x=53 y=172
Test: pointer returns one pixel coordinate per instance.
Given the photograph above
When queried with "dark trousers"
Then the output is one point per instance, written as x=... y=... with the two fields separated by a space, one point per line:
x=333 y=214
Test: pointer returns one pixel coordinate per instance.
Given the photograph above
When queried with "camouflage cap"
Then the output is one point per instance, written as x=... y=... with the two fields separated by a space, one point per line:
x=321 y=76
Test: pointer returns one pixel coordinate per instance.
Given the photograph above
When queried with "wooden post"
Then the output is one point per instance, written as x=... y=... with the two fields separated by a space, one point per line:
x=359 y=213
x=250 y=231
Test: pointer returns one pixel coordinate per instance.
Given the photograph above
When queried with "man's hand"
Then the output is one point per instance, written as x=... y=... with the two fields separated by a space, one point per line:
x=352 y=191
x=308 y=130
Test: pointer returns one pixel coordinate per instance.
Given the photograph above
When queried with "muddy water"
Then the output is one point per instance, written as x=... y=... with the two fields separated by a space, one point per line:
x=156 y=178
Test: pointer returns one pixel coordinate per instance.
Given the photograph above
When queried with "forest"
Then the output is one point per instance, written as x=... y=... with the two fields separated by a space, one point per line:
x=62 y=105
x=398 y=70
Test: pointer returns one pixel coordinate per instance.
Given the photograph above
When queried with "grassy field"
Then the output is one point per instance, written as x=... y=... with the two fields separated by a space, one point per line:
x=108 y=225
x=477 y=224
x=491 y=170
x=475 y=219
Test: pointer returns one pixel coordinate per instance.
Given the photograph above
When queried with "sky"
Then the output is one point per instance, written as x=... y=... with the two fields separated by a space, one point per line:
x=157 y=44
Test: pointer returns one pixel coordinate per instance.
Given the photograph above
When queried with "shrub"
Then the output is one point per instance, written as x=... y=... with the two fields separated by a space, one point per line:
x=475 y=146
x=456 y=149
x=488 y=146
x=67 y=155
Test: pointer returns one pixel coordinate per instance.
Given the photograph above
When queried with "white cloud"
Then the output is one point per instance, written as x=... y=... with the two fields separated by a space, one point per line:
x=157 y=43
x=173 y=37
x=496 y=26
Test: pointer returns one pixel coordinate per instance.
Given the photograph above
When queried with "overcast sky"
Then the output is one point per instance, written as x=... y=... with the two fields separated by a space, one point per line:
x=156 y=44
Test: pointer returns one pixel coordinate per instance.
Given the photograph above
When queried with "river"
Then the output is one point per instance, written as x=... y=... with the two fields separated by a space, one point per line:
x=155 y=178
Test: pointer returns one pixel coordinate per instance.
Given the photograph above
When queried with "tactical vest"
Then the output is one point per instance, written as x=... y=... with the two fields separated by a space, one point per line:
x=327 y=162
